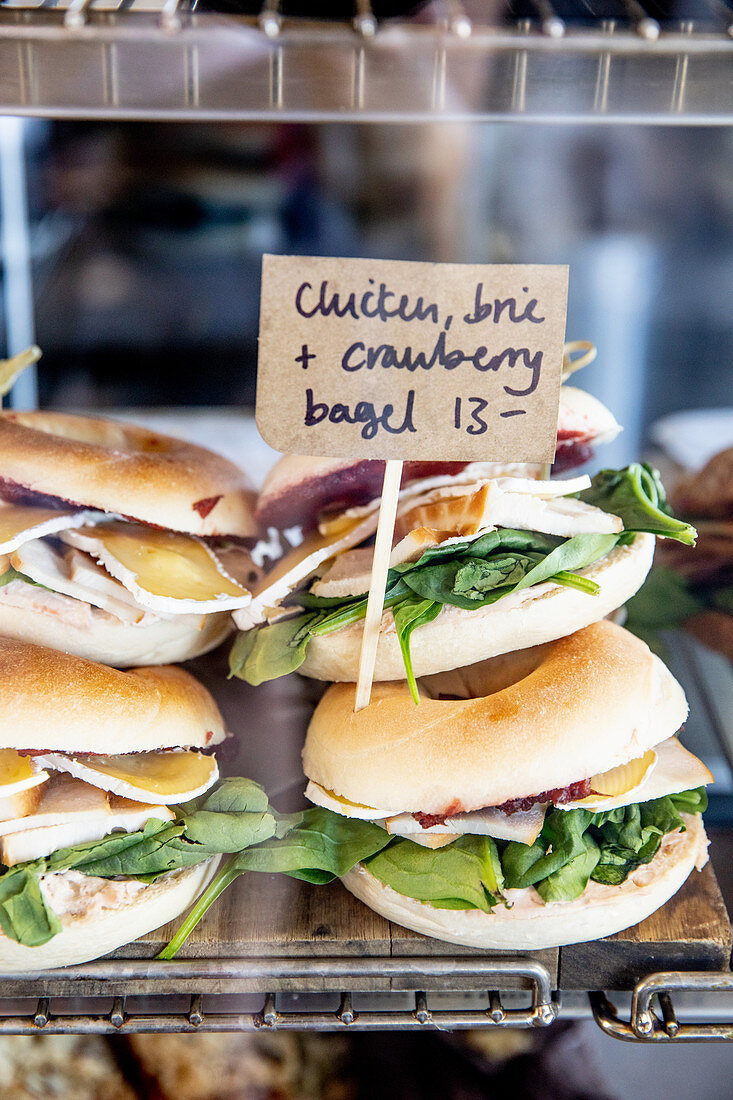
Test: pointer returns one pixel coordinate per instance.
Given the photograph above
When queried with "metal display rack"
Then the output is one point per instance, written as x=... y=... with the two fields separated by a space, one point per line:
x=163 y=59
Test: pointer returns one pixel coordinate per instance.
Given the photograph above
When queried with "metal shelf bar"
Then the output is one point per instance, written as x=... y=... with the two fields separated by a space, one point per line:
x=158 y=59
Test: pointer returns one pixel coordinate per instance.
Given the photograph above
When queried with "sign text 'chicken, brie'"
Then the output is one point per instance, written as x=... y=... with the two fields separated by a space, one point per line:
x=395 y=359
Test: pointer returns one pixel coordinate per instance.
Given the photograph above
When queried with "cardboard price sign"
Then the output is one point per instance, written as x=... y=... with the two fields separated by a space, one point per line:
x=395 y=359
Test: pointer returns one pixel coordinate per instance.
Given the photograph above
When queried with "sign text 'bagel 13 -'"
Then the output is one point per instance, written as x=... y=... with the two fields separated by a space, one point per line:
x=395 y=359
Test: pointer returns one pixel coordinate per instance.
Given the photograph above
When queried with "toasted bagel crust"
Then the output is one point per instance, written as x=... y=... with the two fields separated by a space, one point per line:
x=457 y=638
x=88 y=935
x=536 y=720
x=532 y=924
x=125 y=469
x=55 y=701
x=111 y=642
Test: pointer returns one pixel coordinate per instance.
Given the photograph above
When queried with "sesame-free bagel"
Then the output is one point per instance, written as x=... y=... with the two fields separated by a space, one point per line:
x=457 y=637
x=526 y=722
x=125 y=469
x=57 y=702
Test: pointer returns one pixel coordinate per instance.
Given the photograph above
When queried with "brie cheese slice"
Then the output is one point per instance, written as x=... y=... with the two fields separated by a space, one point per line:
x=18 y=773
x=166 y=571
x=166 y=777
x=76 y=574
x=331 y=801
x=675 y=770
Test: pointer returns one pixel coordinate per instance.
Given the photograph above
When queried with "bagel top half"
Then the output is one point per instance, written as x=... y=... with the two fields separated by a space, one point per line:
x=58 y=702
x=527 y=722
x=59 y=458
x=299 y=488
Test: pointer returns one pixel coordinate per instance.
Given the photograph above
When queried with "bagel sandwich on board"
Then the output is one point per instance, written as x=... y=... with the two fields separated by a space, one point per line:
x=117 y=543
x=533 y=800
x=482 y=563
x=112 y=813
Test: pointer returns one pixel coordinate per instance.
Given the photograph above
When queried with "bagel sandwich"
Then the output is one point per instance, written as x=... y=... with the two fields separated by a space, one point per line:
x=481 y=565
x=117 y=543
x=533 y=800
x=112 y=814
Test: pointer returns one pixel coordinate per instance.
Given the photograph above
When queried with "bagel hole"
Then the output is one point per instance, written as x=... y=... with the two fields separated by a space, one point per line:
x=485 y=677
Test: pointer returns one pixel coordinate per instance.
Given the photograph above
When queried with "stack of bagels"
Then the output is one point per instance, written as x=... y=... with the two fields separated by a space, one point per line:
x=122 y=550
x=528 y=780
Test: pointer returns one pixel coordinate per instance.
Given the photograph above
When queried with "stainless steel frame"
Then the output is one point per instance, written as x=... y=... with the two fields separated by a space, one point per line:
x=156 y=59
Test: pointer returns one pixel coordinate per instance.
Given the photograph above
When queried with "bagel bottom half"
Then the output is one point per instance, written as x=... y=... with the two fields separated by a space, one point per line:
x=456 y=637
x=104 y=638
x=90 y=931
x=531 y=923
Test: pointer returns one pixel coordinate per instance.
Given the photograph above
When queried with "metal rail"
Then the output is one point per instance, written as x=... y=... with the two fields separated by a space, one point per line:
x=653 y=1017
x=232 y=974
x=160 y=59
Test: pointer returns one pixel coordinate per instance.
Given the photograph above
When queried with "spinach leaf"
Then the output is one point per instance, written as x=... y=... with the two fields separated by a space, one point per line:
x=570 y=880
x=275 y=650
x=24 y=914
x=234 y=816
x=691 y=802
x=322 y=846
x=575 y=553
x=113 y=848
x=637 y=496
x=560 y=841
x=462 y=875
x=408 y=616
x=316 y=846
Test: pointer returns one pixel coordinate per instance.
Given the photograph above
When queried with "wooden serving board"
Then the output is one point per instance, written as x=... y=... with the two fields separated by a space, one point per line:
x=691 y=932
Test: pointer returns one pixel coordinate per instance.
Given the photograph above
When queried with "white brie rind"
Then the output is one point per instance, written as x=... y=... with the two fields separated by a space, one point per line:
x=523 y=825
x=76 y=574
x=166 y=571
x=675 y=770
x=86 y=824
x=20 y=523
x=169 y=778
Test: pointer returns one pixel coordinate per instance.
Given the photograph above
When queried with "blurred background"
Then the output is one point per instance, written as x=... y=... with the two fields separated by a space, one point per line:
x=146 y=242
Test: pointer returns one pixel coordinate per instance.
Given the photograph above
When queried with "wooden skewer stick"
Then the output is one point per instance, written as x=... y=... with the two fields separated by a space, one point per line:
x=378 y=582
